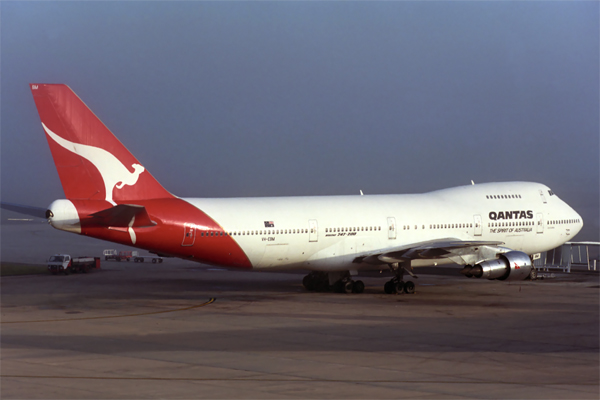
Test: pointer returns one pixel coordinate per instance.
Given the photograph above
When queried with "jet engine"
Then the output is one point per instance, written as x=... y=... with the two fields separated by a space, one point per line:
x=512 y=266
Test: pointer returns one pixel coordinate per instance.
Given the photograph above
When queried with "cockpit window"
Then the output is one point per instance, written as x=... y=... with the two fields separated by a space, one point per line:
x=550 y=192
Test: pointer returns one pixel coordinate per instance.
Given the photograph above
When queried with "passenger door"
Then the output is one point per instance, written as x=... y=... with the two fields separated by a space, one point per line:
x=313 y=233
x=391 y=227
x=540 y=223
x=189 y=234
x=477 y=225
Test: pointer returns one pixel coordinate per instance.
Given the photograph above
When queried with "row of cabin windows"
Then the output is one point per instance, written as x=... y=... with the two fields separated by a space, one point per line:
x=450 y=226
x=439 y=226
x=257 y=232
x=503 y=196
x=501 y=224
x=564 y=221
x=353 y=229
x=378 y=228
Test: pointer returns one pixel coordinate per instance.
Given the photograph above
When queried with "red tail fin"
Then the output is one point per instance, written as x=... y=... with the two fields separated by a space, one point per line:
x=91 y=162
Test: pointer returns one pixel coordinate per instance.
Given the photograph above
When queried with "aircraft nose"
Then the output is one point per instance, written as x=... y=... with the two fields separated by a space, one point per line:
x=578 y=221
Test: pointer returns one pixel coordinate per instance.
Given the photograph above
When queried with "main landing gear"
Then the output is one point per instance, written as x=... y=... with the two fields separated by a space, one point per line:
x=317 y=281
x=397 y=283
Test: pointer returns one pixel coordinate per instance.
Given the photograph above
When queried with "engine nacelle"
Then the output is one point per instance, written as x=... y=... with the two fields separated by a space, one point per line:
x=512 y=266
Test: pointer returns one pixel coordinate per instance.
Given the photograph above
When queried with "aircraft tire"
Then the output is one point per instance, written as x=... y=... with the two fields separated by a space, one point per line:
x=389 y=287
x=533 y=274
x=308 y=283
x=409 y=287
x=359 y=287
x=348 y=286
x=321 y=282
x=400 y=287
x=338 y=287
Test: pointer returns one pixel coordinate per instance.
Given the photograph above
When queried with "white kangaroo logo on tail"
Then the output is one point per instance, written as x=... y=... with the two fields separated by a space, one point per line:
x=113 y=172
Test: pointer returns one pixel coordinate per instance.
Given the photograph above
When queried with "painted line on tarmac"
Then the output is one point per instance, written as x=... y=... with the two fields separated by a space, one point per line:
x=299 y=379
x=210 y=301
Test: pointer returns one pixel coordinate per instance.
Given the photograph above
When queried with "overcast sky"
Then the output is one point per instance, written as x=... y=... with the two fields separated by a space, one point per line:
x=300 y=98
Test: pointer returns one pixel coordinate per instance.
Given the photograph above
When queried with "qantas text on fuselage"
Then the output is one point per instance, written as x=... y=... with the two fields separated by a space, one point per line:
x=493 y=215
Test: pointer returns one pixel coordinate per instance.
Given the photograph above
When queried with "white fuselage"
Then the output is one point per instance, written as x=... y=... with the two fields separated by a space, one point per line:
x=329 y=232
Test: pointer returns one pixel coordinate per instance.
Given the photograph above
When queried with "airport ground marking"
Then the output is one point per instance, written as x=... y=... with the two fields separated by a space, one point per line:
x=299 y=379
x=210 y=301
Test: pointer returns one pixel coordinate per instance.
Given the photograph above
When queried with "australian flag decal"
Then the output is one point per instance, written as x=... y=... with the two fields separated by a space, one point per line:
x=269 y=224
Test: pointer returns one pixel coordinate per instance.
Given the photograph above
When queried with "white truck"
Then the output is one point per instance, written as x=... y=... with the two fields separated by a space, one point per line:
x=65 y=264
x=110 y=254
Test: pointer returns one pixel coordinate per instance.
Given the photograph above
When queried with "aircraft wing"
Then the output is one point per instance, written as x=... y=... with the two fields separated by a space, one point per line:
x=122 y=215
x=432 y=249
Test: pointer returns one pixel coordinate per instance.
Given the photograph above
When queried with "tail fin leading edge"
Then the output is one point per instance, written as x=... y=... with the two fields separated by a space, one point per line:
x=92 y=163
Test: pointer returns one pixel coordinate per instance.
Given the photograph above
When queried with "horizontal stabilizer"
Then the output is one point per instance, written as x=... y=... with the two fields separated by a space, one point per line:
x=27 y=210
x=123 y=215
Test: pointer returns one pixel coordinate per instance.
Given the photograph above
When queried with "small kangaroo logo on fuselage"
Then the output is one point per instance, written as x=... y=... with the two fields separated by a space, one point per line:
x=113 y=172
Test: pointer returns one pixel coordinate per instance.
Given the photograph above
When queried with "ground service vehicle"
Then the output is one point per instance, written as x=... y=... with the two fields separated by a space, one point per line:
x=110 y=254
x=152 y=259
x=127 y=255
x=65 y=264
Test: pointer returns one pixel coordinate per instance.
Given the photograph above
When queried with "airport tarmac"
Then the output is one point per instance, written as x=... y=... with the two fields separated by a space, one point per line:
x=153 y=331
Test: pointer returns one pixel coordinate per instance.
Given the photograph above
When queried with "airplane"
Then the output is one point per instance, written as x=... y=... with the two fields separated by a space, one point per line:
x=494 y=230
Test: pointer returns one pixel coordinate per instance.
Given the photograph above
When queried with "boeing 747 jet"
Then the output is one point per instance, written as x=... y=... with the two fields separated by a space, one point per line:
x=493 y=230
